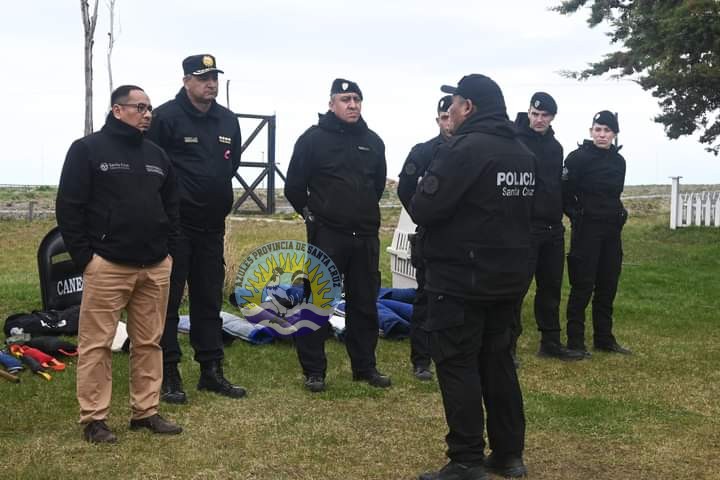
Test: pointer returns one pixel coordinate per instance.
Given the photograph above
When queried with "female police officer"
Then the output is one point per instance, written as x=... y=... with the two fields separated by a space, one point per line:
x=593 y=179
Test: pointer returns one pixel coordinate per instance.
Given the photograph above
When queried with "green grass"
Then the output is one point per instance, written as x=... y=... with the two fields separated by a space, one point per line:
x=652 y=415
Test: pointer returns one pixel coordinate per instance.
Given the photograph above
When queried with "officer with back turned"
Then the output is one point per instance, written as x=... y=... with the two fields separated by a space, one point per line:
x=475 y=203
x=415 y=166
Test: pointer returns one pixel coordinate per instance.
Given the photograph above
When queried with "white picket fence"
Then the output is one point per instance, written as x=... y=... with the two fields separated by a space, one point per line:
x=694 y=208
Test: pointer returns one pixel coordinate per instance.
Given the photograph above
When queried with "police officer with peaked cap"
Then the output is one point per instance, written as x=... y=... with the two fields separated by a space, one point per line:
x=547 y=255
x=335 y=180
x=475 y=203
x=415 y=166
x=203 y=141
x=593 y=179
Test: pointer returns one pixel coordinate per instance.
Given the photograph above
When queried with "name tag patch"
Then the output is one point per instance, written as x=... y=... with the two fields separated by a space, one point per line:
x=225 y=140
x=106 y=167
x=191 y=140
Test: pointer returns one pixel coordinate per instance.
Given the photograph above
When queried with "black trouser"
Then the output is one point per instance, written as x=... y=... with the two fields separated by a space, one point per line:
x=473 y=362
x=547 y=262
x=356 y=257
x=198 y=261
x=419 y=342
x=594 y=265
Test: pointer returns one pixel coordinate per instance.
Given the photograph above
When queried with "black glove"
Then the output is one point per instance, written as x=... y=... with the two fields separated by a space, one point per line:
x=53 y=346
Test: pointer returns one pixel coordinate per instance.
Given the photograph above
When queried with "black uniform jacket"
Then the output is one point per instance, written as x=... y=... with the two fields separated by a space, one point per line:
x=547 y=206
x=205 y=151
x=415 y=166
x=593 y=179
x=475 y=202
x=337 y=174
x=118 y=198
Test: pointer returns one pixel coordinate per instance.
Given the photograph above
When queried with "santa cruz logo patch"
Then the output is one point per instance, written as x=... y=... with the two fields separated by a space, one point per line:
x=289 y=287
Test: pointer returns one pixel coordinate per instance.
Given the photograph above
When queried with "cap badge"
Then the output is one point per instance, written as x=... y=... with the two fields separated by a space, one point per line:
x=207 y=61
x=537 y=103
x=442 y=104
x=596 y=116
x=345 y=85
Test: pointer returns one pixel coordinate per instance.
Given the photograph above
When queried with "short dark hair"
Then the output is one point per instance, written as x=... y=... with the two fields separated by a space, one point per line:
x=120 y=94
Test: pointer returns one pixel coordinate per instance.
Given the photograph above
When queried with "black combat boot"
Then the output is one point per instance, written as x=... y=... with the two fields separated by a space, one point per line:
x=172 y=386
x=213 y=380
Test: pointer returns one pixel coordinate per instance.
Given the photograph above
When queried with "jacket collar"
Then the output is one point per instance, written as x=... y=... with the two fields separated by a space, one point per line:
x=189 y=108
x=118 y=128
x=330 y=122
x=522 y=123
x=493 y=123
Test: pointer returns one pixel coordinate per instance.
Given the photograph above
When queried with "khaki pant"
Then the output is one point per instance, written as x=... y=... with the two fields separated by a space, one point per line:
x=108 y=289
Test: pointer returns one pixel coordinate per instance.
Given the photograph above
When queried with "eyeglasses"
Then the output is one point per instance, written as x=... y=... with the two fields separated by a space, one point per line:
x=141 y=107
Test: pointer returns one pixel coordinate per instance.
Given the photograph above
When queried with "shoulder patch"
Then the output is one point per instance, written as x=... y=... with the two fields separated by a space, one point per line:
x=430 y=184
x=410 y=169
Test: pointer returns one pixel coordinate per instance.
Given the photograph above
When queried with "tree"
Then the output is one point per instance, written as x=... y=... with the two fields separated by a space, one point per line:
x=89 y=22
x=670 y=48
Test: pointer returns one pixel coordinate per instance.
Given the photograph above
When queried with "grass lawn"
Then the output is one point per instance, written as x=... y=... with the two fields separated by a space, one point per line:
x=653 y=415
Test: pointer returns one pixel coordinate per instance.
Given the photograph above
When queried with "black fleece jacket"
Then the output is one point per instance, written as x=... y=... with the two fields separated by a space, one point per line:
x=547 y=206
x=475 y=202
x=205 y=151
x=415 y=166
x=593 y=179
x=337 y=173
x=118 y=198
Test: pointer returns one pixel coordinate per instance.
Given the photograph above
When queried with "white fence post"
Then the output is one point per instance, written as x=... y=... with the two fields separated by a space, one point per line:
x=675 y=204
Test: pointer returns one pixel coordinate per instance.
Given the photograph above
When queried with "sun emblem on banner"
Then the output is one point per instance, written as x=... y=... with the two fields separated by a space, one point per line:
x=288 y=286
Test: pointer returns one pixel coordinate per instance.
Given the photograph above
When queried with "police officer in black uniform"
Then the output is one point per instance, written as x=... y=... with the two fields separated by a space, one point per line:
x=335 y=180
x=415 y=166
x=547 y=256
x=475 y=203
x=593 y=179
x=203 y=141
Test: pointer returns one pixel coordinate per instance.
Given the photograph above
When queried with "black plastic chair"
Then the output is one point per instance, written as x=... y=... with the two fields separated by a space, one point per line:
x=61 y=281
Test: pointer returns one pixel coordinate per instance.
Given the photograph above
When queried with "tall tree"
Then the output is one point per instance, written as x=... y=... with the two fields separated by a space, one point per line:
x=89 y=22
x=670 y=48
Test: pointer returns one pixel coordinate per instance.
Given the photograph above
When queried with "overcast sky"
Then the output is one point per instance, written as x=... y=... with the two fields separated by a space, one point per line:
x=281 y=57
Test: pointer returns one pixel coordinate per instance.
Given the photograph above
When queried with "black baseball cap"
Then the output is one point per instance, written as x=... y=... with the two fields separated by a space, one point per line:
x=482 y=91
x=544 y=101
x=200 y=64
x=340 y=85
x=606 y=117
x=444 y=103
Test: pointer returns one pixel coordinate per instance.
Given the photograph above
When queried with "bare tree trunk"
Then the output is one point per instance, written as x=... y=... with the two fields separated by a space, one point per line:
x=111 y=43
x=89 y=23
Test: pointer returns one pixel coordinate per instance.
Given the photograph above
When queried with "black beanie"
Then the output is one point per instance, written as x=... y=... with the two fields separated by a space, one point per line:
x=544 y=101
x=340 y=85
x=607 y=118
x=444 y=103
